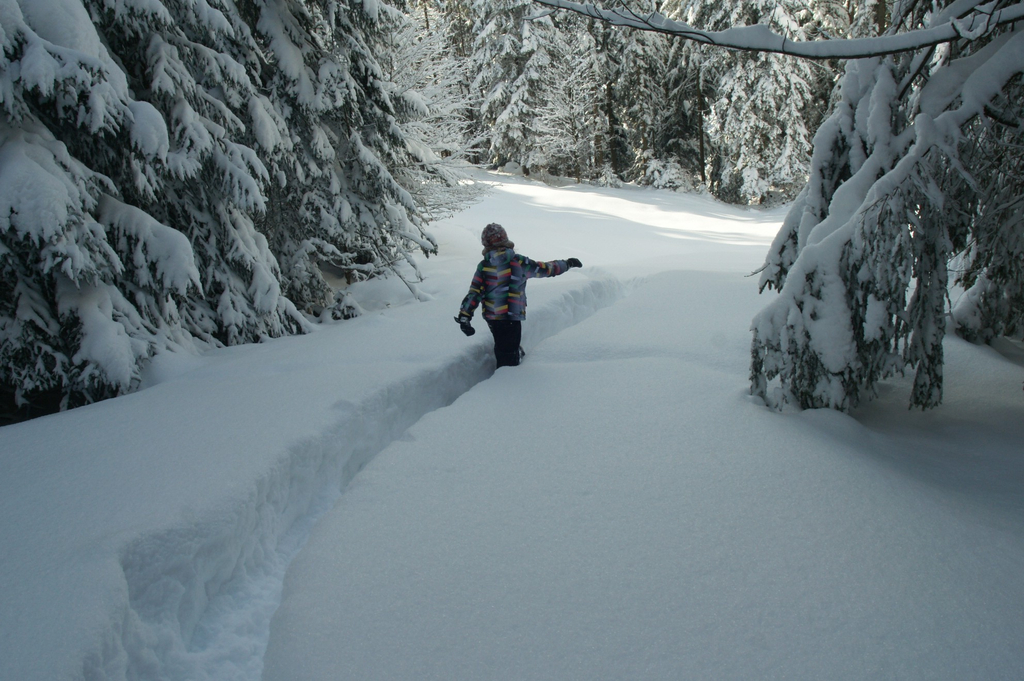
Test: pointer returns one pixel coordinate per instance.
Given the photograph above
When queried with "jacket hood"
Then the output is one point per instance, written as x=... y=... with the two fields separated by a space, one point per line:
x=501 y=256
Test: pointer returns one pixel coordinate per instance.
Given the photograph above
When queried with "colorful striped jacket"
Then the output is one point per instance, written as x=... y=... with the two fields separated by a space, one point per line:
x=500 y=282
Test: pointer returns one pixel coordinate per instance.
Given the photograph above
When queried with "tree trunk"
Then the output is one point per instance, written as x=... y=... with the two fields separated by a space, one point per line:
x=700 y=132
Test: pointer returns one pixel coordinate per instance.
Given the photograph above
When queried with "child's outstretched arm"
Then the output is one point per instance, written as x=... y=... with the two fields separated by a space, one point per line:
x=551 y=268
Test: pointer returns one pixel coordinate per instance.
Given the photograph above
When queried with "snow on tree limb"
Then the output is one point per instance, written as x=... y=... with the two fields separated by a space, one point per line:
x=861 y=260
x=969 y=20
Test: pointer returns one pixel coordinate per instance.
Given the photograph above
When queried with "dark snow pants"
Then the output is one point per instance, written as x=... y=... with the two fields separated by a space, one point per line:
x=507 y=336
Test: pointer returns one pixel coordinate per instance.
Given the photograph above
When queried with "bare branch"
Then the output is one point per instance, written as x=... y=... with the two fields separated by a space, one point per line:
x=973 y=21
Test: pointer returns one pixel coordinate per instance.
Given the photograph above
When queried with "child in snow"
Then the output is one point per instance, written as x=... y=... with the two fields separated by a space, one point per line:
x=500 y=282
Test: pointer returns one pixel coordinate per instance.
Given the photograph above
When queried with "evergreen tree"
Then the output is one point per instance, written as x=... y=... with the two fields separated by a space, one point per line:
x=644 y=67
x=429 y=80
x=459 y=24
x=511 y=59
x=193 y=169
x=758 y=103
x=343 y=124
x=568 y=121
x=683 y=129
x=613 y=156
x=198 y=72
x=92 y=285
x=908 y=168
x=986 y=212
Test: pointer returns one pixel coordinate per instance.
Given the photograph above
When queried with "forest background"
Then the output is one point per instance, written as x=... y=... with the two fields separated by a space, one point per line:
x=176 y=175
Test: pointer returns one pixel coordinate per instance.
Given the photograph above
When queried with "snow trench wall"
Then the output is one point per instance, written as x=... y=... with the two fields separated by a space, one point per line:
x=199 y=597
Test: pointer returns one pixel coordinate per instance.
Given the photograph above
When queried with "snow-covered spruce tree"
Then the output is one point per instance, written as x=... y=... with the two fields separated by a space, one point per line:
x=604 y=94
x=459 y=24
x=460 y=21
x=896 y=182
x=161 y=145
x=568 y=123
x=671 y=153
x=644 y=69
x=682 y=128
x=198 y=72
x=330 y=126
x=511 y=59
x=613 y=156
x=89 y=286
x=832 y=20
x=757 y=102
x=429 y=81
x=986 y=210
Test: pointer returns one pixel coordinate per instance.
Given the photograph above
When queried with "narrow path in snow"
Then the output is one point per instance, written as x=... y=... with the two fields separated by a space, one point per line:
x=226 y=639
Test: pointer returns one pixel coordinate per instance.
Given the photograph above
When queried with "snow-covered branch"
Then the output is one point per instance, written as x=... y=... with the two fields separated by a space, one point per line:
x=963 y=20
x=906 y=171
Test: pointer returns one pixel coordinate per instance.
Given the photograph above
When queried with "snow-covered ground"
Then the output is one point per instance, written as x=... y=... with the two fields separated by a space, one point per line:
x=617 y=507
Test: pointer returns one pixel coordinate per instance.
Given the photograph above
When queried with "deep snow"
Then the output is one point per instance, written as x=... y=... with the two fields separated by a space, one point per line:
x=619 y=508
x=640 y=515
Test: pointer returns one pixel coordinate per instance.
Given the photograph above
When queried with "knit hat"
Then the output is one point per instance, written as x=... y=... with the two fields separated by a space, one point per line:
x=494 y=237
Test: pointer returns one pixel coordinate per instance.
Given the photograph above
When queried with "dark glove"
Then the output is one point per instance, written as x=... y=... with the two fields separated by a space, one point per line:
x=573 y=262
x=463 y=321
